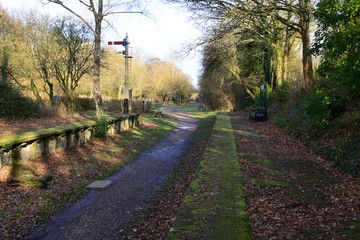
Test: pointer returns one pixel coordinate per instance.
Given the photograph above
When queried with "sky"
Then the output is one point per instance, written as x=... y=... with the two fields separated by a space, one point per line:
x=161 y=34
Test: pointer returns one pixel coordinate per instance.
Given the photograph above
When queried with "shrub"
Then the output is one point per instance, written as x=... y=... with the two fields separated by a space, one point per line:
x=282 y=93
x=336 y=104
x=85 y=104
x=347 y=154
x=216 y=99
x=49 y=111
x=15 y=105
x=246 y=103
x=337 y=41
x=101 y=127
x=321 y=107
x=315 y=107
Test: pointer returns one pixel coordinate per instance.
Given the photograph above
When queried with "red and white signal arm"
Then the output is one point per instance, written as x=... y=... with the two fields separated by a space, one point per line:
x=115 y=43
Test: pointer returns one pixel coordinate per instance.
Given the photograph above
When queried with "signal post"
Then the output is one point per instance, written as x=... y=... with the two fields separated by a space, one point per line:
x=127 y=91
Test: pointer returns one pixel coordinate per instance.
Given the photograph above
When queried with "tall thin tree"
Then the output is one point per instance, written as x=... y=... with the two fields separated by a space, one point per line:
x=99 y=10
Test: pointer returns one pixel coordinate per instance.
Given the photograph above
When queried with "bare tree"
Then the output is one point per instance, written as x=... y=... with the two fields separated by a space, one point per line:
x=99 y=10
x=72 y=60
x=293 y=15
x=300 y=22
x=43 y=48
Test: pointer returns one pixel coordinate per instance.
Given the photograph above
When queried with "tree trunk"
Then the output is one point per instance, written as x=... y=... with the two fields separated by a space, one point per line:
x=279 y=64
x=307 y=59
x=285 y=65
x=5 y=63
x=96 y=73
x=70 y=101
x=267 y=65
x=35 y=90
x=51 y=93
x=305 y=37
x=287 y=48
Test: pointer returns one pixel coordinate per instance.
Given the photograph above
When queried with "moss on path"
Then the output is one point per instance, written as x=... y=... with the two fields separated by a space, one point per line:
x=214 y=207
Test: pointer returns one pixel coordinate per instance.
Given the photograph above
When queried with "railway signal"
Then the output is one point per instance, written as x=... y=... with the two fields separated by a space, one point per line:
x=125 y=43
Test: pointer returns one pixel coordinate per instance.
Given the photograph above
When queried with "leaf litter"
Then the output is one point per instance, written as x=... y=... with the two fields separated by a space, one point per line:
x=24 y=206
x=320 y=202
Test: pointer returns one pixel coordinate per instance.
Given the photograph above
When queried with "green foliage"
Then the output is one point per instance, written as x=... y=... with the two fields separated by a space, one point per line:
x=290 y=117
x=168 y=103
x=262 y=98
x=282 y=93
x=321 y=107
x=5 y=63
x=101 y=127
x=258 y=97
x=345 y=155
x=315 y=107
x=245 y=103
x=336 y=104
x=15 y=105
x=337 y=40
x=320 y=120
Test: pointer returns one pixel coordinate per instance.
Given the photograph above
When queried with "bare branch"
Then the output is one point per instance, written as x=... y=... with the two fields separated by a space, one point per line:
x=59 y=2
x=87 y=5
x=110 y=13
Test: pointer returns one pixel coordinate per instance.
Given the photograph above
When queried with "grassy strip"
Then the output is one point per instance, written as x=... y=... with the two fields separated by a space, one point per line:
x=269 y=182
x=28 y=136
x=214 y=207
x=156 y=219
x=134 y=142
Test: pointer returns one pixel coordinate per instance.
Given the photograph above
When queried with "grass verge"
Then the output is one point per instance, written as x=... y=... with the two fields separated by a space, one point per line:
x=214 y=206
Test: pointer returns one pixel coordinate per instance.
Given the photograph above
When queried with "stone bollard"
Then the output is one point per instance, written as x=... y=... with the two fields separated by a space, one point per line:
x=61 y=142
x=81 y=137
x=37 y=149
x=25 y=151
x=112 y=128
x=125 y=124
x=117 y=126
x=88 y=134
x=7 y=157
x=70 y=137
x=50 y=145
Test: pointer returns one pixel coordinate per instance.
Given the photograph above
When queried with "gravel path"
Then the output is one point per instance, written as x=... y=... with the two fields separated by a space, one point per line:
x=102 y=214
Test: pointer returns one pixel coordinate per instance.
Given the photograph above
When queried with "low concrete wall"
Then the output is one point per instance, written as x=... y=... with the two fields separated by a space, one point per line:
x=31 y=147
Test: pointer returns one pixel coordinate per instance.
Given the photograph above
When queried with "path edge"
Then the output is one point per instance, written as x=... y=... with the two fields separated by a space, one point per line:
x=214 y=206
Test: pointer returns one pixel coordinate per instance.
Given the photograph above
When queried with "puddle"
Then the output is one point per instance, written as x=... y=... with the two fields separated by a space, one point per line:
x=185 y=127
